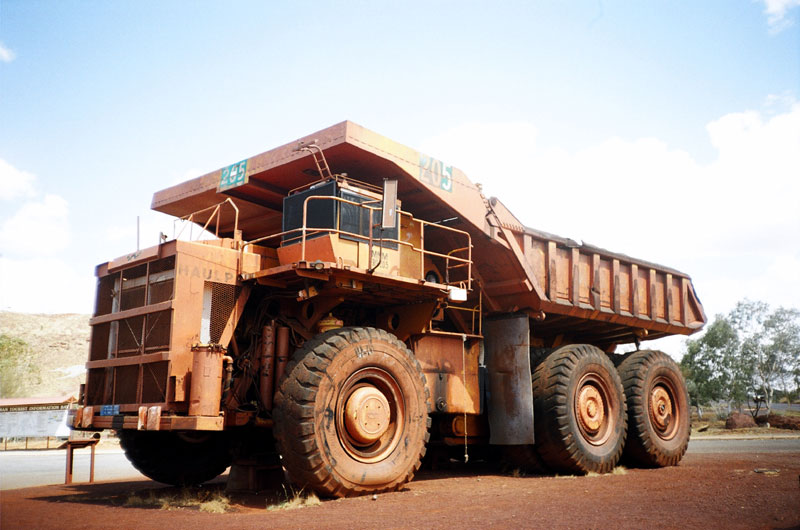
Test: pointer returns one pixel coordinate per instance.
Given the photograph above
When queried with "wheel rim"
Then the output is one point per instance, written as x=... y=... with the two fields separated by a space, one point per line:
x=367 y=414
x=370 y=411
x=663 y=409
x=595 y=409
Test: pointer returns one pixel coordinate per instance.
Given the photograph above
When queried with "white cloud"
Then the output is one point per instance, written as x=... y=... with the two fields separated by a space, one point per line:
x=733 y=224
x=776 y=11
x=6 y=55
x=758 y=167
x=125 y=234
x=779 y=282
x=44 y=285
x=38 y=228
x=32 y=279
x=122 y=238
x=586 y=195
x=14 y=182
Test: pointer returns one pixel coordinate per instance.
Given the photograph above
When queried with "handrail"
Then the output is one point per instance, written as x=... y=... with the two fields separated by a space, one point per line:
x=468 y=263
x=216 y=212
x=474 y=311
x=305 y=231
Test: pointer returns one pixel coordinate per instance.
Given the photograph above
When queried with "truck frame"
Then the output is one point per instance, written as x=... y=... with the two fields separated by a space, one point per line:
x=338 y=325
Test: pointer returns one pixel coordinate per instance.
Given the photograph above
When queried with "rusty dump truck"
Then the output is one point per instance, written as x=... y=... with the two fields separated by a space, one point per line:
x=356 y=303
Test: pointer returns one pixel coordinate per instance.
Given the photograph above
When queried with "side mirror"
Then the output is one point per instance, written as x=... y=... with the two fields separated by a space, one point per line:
x=389 y=205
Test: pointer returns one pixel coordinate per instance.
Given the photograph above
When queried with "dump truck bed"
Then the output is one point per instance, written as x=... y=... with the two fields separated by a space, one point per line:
x=577 y=290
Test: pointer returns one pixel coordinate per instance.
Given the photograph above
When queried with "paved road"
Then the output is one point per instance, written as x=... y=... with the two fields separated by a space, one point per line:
x=784 y=406
x=22 y=469
x=755 y=445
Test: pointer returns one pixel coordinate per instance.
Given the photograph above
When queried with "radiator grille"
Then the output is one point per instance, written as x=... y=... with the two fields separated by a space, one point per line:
x=132 y=288
x=223 y=299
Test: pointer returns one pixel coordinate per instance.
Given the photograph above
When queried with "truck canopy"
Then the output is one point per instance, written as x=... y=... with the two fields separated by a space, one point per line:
x=594 y=295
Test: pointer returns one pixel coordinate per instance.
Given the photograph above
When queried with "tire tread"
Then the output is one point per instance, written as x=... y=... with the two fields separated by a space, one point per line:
x=302 y=456
x=641 y=448
x=556 y=441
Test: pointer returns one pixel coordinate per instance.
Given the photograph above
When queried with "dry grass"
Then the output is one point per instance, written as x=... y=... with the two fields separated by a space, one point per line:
x=220 y=504
x=295 y=500
x=619 y=470
x=137 y=501
x=205 y=501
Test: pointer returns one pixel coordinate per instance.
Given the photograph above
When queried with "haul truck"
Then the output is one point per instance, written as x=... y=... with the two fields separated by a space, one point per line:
x=347 y=320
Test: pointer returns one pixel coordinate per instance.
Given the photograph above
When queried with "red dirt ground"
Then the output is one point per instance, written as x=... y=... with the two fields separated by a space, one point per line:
x=705 y=491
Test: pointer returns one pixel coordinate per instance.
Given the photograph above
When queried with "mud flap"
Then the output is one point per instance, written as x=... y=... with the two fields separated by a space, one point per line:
x=509 y=392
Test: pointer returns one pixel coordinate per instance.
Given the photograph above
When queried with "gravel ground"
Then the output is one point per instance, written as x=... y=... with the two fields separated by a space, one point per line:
x=717 y=490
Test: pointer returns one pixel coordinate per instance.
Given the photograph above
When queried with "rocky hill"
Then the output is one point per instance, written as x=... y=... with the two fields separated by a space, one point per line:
x=57 y=344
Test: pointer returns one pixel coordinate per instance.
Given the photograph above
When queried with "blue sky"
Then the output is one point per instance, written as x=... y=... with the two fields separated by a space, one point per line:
x=669 y=131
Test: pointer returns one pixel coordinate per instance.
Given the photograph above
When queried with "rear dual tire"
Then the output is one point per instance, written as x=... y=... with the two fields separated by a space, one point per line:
x=579 y=410
x=658 y=409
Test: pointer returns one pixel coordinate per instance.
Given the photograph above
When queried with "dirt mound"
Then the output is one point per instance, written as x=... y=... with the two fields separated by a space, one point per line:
x=59 y=346
x=738 y=420
x=780 y=421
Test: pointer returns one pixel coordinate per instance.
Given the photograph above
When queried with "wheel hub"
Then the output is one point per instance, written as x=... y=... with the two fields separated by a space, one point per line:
x=660 y=408
x=367 y=415
x=591 y=409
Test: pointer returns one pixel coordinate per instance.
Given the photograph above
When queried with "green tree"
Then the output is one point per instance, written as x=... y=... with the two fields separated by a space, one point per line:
x=749 y=352
x=17 y=369
x=783 y=348
x=713 y=367
x=770 y=344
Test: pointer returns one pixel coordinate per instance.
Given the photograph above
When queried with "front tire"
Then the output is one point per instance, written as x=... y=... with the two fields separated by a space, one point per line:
x=177 y=458
x=579 y=408
x=658 y=409
x=351 y=414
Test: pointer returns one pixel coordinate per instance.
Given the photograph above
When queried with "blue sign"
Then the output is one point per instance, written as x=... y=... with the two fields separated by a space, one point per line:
x=109 y=410
x=233 y=176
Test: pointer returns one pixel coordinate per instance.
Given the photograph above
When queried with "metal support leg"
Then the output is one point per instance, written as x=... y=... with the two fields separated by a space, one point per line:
x=91 y=465
x=71 y=446
x=68 y=478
